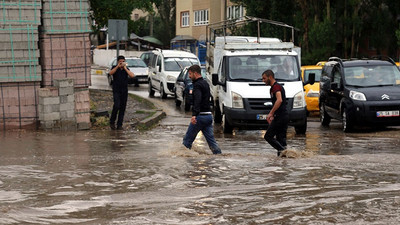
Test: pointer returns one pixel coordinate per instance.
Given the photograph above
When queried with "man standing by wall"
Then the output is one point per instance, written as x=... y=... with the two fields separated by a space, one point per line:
x=201 y=113
x=278 y=117
x=120 y=74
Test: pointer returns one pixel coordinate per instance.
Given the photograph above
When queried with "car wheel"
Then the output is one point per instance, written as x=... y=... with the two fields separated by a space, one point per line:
x=302 y=129
x=187 y=104
x=323 y=116
x=226 y=126
x=110 y=80
x=217 y=114
x=151 y=91
x=346 y=122
x=163 y=95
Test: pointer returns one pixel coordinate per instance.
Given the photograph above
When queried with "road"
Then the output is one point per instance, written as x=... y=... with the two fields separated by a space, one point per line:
x=128 y=177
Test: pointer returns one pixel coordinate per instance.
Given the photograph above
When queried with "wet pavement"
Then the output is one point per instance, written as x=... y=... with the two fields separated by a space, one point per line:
x=129 y=177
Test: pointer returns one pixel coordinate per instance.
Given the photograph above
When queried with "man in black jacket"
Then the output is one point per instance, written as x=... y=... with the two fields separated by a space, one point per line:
x=201 y=113
x=120 y=74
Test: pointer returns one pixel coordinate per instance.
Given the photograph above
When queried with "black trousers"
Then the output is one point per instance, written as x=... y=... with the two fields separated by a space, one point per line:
x=120 y=99
x=278 y=127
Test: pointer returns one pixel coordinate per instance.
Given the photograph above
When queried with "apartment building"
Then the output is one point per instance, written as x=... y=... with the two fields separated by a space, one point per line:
x=192 y=18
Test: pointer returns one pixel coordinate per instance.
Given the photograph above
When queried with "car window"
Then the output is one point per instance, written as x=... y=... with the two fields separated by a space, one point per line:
x=135 y=63
x=187 y=76
x=159 y=62
x=376 y=75
x=181 y=76
x=177 y=64
x=336 y=77
x=317 y=73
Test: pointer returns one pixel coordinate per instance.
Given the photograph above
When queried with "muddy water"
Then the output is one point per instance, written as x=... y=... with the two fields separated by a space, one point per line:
x=104 y=177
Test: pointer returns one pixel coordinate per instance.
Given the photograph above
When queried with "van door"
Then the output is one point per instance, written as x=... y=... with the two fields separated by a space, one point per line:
x=335 y=94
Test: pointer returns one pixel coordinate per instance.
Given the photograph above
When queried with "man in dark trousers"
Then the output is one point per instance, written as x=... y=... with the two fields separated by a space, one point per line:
x=278 y=117
x=201 y=113
x=120 y=74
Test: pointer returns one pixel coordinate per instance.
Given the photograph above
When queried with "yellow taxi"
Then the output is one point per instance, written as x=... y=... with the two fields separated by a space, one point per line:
x=311 y=91
x=398 y=64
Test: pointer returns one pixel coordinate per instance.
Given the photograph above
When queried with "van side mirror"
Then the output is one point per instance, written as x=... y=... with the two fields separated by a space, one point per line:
x=311 y=79
x=215 y=81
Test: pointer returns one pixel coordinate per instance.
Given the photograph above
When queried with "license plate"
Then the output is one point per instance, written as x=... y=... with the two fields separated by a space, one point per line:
x=262 y=116
x=142 y=79
x=387 y=113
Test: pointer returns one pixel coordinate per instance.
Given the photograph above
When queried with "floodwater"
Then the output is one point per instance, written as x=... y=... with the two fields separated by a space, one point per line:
x=109 y=177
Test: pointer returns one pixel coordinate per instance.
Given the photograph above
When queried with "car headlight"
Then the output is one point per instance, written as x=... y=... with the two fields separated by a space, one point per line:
x=298 y=100
x=171 y=78
x=237 y=100
x=355 y=95
x=313 y=93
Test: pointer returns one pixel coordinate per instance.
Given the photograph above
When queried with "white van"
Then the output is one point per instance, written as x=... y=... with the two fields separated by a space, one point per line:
x=164 y=68
x=241 y=99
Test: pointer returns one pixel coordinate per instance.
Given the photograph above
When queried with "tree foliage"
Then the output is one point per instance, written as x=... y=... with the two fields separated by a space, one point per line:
x=344 y=28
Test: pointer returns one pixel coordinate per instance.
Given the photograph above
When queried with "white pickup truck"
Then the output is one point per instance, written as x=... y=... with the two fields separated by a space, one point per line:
x=241 y=99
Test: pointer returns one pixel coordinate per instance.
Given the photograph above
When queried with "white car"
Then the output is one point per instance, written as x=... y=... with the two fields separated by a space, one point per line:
x=136 y=65
x=165 y=67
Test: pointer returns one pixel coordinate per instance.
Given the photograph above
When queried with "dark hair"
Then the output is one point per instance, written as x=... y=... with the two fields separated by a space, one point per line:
x=120 y=57
x=269 y=73
x=195 y=68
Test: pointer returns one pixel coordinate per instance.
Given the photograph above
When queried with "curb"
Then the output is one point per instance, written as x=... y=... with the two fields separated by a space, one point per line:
x=154 y=119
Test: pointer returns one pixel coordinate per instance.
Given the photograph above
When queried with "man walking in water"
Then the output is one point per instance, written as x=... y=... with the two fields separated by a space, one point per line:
x=201 y=113
x=278 y=117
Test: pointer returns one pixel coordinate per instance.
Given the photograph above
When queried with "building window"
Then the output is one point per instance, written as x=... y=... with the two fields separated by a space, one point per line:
x=185 y=19
x=234 y=12
x=201 y=17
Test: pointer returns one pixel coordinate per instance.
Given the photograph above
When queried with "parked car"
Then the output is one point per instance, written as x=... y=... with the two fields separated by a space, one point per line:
x=360 y=92
x=165 y=67
x=137 y=66
x=184 y=88
x=146 y=57
x=311 y=91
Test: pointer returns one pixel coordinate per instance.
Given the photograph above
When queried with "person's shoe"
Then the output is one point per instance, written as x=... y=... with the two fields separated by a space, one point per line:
x=112 y=126
x=279 y=152
x=120 y=128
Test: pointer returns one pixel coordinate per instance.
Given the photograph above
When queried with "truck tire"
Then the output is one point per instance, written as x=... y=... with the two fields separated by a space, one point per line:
x=151 y=91
x=301 y=129
x=347 y=124
x=226 y=126
x=323 y=116
x=163 y=95
x=217 y=114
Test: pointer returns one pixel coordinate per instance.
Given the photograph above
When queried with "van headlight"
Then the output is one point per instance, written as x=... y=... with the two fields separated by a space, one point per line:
x=171 y=78
x=237 y=101
x=298 y=100
x=355 y=95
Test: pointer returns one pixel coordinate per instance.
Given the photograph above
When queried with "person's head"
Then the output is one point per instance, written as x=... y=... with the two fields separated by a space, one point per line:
x=268 y=77
x=121 y=58
x=194 y=72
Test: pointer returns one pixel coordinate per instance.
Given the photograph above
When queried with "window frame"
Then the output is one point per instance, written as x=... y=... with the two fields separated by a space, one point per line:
x=185 y=17
x=201 y=17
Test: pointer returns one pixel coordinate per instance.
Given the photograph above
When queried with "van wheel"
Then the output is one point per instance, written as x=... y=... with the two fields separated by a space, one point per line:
x=346 y=122
x=217 y=114
x=302 y=128
x=151 y=91
x=323 y=116
x=226 y=126
x=162 y=92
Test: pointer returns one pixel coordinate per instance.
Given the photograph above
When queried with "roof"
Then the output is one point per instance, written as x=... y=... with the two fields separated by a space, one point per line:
x=360 y=62
x=183 y=38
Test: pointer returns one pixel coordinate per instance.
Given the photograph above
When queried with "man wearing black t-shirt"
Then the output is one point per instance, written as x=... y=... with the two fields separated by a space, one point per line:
x=120 y=74
x=278 y=117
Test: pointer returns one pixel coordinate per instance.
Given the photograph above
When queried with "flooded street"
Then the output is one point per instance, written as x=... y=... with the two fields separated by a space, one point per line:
x=128 y=177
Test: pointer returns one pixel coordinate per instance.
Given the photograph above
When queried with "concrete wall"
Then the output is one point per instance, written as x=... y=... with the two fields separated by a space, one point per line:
x=103 y=57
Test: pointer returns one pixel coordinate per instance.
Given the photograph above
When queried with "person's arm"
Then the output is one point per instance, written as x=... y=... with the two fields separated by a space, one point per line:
x=113 y=70
x=197 y=95
x=276 y=106
x=130 y=73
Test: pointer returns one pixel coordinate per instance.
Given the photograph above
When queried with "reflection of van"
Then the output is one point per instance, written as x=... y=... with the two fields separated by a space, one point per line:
x=165 y=67
x=311 y=91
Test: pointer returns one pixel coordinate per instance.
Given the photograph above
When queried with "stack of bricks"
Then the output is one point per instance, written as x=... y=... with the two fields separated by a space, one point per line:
x=82 y=108
x=64 y=42
x=20 y=72
x=57 y=106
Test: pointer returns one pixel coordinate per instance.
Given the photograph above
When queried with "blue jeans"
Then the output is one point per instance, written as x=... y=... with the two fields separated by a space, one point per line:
x=204 y=124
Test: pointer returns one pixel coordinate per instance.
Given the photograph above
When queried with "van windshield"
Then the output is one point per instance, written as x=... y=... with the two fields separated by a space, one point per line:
x=177 y=64
x=251 y=67
x=369 y=76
